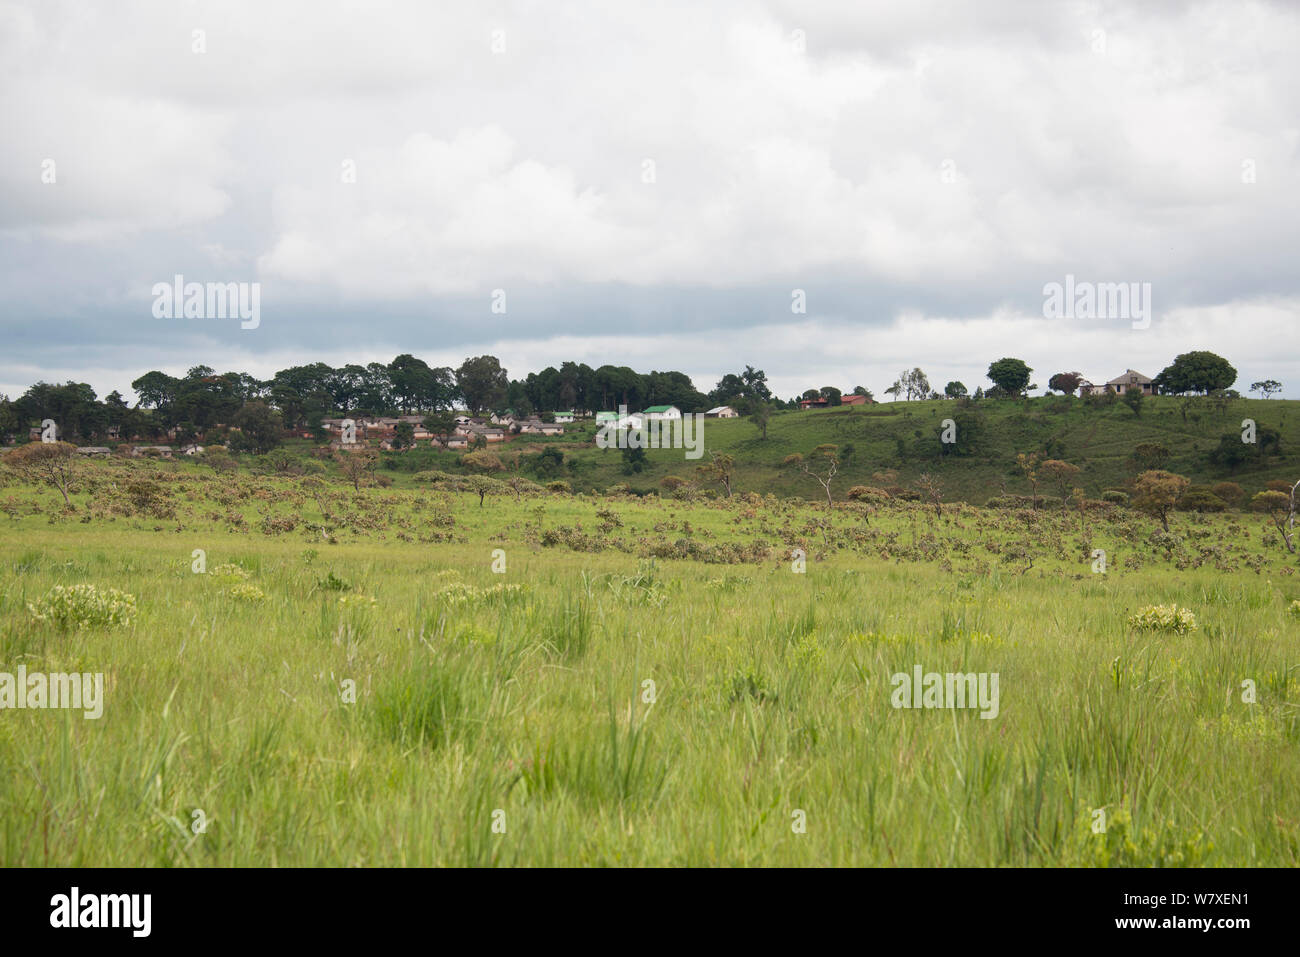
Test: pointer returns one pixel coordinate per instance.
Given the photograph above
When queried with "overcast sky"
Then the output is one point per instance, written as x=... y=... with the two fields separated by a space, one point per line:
x=649 y=184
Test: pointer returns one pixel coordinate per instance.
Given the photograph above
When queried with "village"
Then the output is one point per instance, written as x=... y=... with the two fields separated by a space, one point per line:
x=464 y=432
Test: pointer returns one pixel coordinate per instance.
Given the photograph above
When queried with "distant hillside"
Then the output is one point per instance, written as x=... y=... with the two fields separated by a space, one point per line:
x=904 y=436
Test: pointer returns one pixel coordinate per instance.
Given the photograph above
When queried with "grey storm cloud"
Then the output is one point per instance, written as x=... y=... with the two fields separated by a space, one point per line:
x=647 y=183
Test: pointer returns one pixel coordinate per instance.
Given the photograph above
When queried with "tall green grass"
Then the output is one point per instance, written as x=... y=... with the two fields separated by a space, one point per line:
x=530 y=710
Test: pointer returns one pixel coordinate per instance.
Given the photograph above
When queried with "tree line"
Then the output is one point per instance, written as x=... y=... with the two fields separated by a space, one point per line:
x=301 y=397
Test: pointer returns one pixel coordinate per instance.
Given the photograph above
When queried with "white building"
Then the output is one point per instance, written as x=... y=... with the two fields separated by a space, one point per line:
x=662 y=413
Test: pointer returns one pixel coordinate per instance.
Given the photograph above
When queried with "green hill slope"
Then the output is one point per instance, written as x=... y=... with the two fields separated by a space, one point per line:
x=904 y=436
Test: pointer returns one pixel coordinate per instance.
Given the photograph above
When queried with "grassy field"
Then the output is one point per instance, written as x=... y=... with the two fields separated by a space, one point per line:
x=647 y=681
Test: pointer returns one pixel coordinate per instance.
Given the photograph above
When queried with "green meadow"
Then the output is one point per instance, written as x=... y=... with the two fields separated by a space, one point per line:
x=405 y=676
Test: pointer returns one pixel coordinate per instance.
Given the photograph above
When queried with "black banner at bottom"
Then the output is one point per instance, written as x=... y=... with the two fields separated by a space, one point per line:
x=337 y=907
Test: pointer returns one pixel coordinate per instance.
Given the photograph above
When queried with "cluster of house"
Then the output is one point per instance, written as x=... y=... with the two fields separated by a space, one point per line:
x=469 y=429
x=623 y=419
x=357 y=433
x=143 y=451
x=114 y=433
x=822 y=402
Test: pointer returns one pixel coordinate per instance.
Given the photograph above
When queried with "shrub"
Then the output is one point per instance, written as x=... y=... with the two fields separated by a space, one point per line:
x=1018 y=501
x=332 y=582
x=560 y=487
x=1100 y=400
x=1230 y=492
x=219 y=459
x=867 y=493
x=272 y=525
x=1122 y=844
x=1164 y=618
x=228 y=572
x=1114 y=496
x=437 y=477
x=83 y=606
x=1199 y=498
x=147 y=497
x=481 y=462
x=281 y=462
x=247 y=592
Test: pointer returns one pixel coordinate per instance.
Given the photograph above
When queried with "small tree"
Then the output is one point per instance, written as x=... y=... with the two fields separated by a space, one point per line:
x=1156 y=492
x=357 y=466
x=955 y=390
x=1281 y=507
x=54 y=463
x=634 y=460
x=260 y=428
x=482 y=486
x=1196 y=372
x=1066 y=383
x=761 y=415
x=915 y=383
x=1010 y=375
x=1062 y=475
x=931 y=490
x=1028 y=465
x=1266 y=388
x=1133 y=398
x=719 y=470
x=518 y=484
x=549 y=462
x=403 y=435
x=822 y=463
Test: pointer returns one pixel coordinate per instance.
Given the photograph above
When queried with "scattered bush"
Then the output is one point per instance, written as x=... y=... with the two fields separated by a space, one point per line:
x=332 y=582
x=1199 y=498
x=226 y=572
x=83 y=606
x=247 y=592
x=1164 y=618
x=868 y=493
x=1230 y=492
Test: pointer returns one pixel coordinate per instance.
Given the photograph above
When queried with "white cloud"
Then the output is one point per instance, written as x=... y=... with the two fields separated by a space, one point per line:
x=822 y=170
